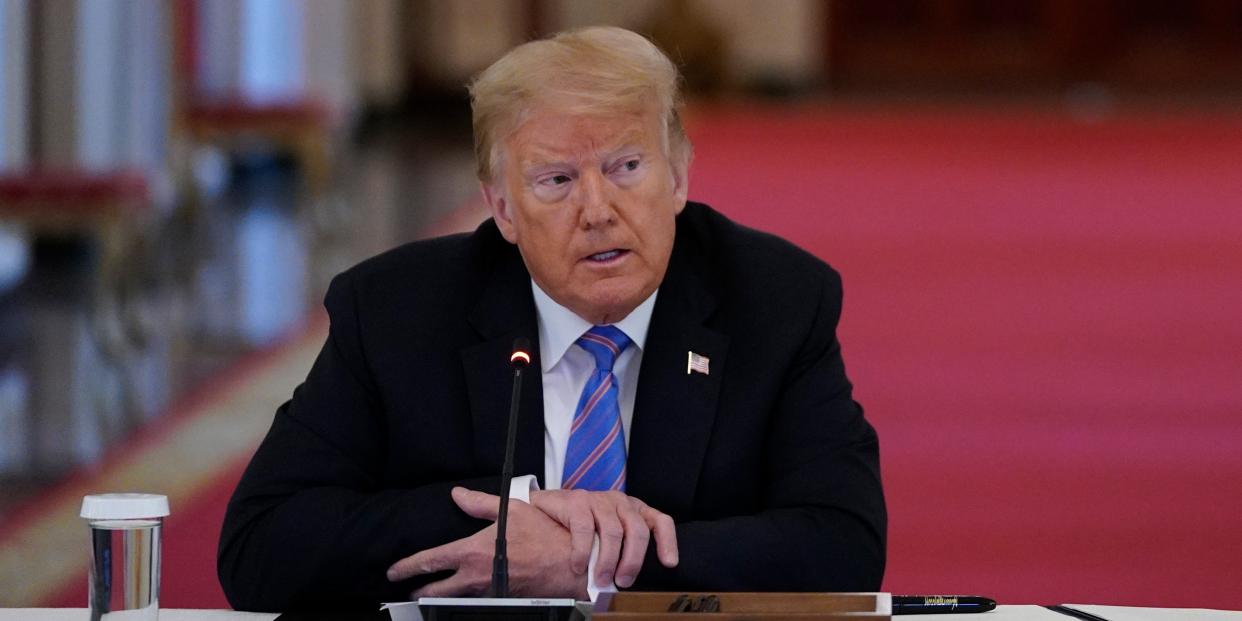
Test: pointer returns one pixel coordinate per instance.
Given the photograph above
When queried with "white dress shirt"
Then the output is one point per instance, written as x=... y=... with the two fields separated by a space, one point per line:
x=566 y=367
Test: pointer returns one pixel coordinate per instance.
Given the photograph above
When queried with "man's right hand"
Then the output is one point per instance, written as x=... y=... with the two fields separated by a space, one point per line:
x=624 y=524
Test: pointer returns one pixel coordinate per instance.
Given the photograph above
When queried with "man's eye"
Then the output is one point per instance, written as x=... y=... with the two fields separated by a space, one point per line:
x=626 y=166
x=555 y=180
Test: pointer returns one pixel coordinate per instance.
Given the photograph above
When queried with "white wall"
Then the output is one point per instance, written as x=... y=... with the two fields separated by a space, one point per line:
x=57 y=102
x=567 y=14
x=465 y=36
x=764 y=37
x=377 y=57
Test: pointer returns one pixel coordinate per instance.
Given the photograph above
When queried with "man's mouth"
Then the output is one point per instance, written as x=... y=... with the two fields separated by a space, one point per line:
x=608 y=255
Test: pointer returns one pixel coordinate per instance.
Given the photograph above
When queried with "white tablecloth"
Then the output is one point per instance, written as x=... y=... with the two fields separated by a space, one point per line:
x=166 y=614
x=1002 y=613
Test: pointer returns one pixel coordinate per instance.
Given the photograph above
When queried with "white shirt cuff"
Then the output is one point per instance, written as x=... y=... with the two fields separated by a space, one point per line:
x=521 y=487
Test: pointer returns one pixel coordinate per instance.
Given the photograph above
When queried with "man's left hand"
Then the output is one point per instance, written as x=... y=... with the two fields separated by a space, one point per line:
x=624 y=524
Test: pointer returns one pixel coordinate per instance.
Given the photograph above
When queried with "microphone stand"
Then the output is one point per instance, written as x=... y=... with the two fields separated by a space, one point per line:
x=498 y=605
x=500 y=562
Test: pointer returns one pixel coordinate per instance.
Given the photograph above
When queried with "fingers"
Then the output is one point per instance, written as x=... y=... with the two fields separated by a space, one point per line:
x=637 y=536
x=574 y=510
x=665 y=532
x=581 y=538
x=476 y=504
x=624 y=524
x=429 y=561
x=611 y=533
x=455 y=585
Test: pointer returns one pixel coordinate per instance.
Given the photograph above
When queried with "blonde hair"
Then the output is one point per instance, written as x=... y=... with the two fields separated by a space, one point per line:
x=590 y=70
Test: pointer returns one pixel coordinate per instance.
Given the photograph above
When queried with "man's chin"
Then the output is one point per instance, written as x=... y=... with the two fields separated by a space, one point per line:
x=604 y=310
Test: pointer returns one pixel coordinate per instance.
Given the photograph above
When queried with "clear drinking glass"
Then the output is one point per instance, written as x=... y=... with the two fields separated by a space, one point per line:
x=125 y=555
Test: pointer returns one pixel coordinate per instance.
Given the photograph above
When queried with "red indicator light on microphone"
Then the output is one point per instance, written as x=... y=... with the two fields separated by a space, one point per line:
x=521 y=353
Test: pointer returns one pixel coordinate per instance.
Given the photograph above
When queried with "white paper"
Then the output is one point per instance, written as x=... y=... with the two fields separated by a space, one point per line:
x=1127 y=613
x=1002 y=613
x=403 y=611
x=409 y=611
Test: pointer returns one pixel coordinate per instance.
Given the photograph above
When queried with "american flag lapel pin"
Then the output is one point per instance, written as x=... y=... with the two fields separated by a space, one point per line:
x=697 y=363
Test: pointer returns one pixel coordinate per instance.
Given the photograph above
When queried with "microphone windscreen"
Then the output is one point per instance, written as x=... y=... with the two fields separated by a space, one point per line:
x=521 y=352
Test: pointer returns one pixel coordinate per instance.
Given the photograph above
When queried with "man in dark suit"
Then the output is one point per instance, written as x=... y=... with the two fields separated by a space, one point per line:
x=699 y=399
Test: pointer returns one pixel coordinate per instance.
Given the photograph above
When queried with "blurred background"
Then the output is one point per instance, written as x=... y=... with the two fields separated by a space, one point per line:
x=1036 y=206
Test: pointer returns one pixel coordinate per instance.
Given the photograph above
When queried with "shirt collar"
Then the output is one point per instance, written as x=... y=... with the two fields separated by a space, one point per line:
x=559 y=327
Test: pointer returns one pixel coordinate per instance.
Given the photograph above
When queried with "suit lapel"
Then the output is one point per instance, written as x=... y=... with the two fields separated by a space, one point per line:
x=674 y=411
x=504 y=312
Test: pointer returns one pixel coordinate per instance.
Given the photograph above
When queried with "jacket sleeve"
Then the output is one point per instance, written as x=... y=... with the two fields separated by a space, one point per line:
x=823 y=522
x=312 y=523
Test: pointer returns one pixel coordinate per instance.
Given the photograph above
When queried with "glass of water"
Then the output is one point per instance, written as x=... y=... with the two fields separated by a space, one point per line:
x=125 y=555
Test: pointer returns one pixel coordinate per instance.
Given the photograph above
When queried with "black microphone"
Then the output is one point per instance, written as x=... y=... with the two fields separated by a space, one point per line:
x=519 y=359
x=498 y=606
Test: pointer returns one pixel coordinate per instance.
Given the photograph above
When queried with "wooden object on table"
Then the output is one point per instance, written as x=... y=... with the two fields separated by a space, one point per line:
x=632 y=606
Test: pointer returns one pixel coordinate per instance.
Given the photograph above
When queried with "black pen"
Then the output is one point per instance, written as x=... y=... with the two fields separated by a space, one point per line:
x=940 y=604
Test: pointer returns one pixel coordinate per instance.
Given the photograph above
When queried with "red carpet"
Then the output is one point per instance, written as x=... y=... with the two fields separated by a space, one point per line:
x=1043 y=319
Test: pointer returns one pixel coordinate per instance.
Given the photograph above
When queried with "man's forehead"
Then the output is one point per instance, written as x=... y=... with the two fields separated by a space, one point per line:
x=543 y=147
x=557 y=135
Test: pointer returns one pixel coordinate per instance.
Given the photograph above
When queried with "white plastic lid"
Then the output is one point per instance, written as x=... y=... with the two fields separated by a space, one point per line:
x=124 y=506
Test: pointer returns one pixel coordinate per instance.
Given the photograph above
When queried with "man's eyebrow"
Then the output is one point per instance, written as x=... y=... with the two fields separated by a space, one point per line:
x=536 y=163
x=625 y=149
x=544 y=154
x=547 y=155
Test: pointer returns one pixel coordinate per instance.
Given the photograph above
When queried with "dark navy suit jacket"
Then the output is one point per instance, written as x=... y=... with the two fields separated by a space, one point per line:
x=766 y=463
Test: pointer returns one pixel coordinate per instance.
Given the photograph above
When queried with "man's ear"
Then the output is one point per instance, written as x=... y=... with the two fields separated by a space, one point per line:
x=501 y=210
x=680 y=165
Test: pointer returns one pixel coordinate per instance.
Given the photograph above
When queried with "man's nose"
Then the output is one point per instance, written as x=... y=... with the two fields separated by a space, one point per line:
x=595 y=201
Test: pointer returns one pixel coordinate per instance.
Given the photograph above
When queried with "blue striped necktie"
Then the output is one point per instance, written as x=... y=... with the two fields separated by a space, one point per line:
x=595 y=459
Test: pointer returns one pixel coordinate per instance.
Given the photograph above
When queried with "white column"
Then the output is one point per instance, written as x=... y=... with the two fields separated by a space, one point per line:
x=14 y=85
x=273 y=67
x=146 y=62
x=103 y=76
x=330 y=78
x=218 y=49
x=99 y=34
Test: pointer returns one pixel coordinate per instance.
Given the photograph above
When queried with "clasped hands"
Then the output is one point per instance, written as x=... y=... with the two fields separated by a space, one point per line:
x=549 y=545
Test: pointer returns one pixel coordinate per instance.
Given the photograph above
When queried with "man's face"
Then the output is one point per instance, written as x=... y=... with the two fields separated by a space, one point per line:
x=591 y=202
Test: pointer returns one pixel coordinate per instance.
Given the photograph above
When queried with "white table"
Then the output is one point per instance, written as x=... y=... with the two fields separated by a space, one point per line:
x=1002 y=613
x=166 y=614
